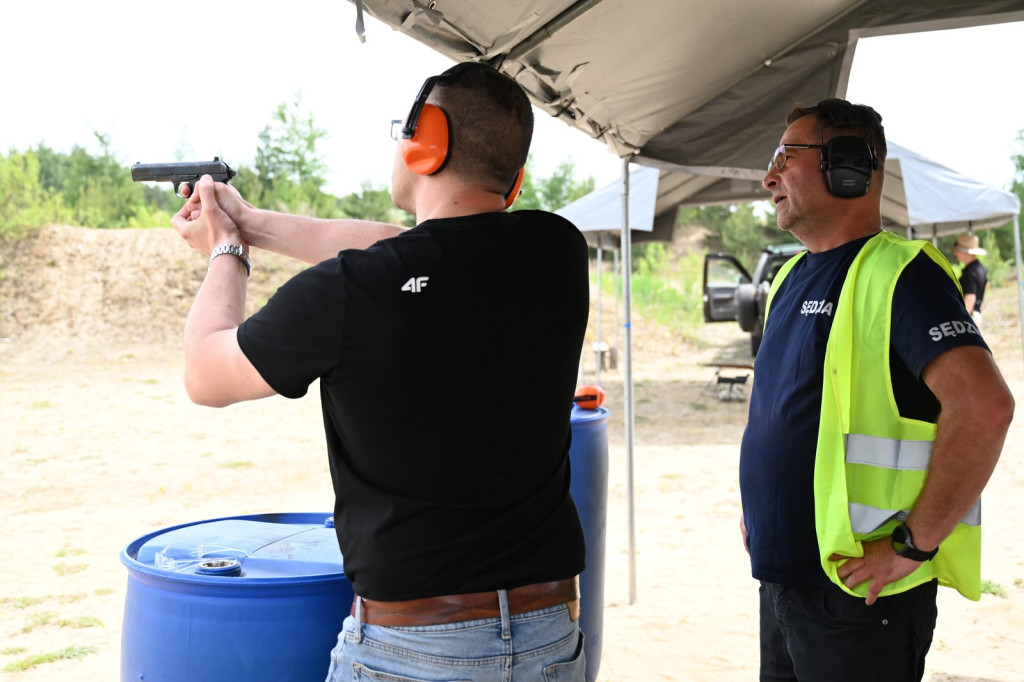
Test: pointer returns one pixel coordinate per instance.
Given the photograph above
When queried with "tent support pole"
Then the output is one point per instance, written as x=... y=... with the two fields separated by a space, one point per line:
x=618 y=299
x=1020 y=275
x=628 y=378
x=598 y=355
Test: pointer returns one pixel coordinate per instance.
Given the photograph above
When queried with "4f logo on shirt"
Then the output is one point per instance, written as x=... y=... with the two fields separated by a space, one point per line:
x=816 y=308
x=415 y=284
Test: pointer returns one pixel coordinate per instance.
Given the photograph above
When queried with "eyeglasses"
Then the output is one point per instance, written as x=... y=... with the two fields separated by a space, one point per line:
x=779 y=158
x=396 y=129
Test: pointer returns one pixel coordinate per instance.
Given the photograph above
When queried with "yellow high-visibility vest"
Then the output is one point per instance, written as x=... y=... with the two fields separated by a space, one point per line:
x=871 y=463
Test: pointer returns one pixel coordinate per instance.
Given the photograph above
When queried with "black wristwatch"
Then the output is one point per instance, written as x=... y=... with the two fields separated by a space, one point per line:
x=903 y=545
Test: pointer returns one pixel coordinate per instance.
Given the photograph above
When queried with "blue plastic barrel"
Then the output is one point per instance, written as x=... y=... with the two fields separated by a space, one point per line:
x=588 y=456
x=259 y=597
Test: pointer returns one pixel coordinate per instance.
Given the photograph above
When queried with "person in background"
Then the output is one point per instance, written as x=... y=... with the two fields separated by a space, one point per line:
x=877 y=416
x=974 y=276
x=452 y=509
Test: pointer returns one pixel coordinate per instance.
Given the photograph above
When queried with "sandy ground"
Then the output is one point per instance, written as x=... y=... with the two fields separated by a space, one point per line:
x=99 y=445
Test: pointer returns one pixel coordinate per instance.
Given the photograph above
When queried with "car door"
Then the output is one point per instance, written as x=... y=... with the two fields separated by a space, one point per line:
x=722 y=275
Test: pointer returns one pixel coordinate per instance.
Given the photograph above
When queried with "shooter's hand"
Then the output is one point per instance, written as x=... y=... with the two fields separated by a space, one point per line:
x=202 y=222
x=229 y=200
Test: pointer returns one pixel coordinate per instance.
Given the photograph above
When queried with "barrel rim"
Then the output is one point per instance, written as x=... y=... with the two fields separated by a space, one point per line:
x=153 y=574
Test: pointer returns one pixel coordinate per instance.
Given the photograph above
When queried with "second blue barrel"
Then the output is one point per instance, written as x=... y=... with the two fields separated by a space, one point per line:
x=588 y=456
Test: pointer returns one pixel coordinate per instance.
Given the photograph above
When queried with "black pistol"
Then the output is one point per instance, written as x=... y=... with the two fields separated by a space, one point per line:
x=182 y=173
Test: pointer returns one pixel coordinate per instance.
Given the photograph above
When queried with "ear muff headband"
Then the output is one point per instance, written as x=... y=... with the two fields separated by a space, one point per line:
x=425 y=137
x=848 y=161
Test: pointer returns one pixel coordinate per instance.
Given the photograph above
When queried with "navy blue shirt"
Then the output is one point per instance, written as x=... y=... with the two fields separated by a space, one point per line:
x=778 y=447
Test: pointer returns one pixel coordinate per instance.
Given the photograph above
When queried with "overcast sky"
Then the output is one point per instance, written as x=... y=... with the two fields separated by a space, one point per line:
x=164 y=83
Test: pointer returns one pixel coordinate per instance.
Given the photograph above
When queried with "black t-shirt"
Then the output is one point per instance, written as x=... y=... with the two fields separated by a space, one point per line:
x=447 y=359
x=973 y=280
x=778 y=448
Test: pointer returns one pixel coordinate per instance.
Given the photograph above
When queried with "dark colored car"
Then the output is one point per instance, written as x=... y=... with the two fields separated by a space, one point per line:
x=731 y=293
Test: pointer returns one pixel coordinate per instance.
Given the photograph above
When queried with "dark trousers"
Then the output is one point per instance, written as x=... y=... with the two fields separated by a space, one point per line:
x=822 y=633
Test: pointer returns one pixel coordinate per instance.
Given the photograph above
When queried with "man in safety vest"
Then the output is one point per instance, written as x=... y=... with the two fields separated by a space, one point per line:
x=861 y=491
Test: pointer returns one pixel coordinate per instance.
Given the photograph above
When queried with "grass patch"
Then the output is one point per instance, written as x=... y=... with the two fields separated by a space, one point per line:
x=19 y=602
x=69 y=551
x=70 y=569
x=236 y=464
x=41 y=659
x=37 y=620
x=993 y=588
x=70 y=598
x=42 y=405
x=103 y=591
x=83 y=622
x=13 y=650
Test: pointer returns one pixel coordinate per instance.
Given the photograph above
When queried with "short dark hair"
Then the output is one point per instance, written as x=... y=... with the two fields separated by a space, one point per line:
x=491 y=124
x=847 y=119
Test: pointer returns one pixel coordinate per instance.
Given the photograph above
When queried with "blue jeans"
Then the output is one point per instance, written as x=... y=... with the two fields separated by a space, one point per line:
x=537 y=646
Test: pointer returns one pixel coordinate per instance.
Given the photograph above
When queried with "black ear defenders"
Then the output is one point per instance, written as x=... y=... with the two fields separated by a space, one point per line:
x=847 y=161
x=426 y=142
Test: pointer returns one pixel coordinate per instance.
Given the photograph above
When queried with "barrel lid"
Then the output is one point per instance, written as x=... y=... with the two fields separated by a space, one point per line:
x=581 y=415
x=245 y=549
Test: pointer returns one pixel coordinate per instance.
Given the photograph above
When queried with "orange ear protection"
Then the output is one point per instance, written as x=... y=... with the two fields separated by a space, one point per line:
x=516 y=189
x=426 y=143
x=425 y=146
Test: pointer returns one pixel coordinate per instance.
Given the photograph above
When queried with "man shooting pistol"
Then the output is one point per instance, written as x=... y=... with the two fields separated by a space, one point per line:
x=182 y=173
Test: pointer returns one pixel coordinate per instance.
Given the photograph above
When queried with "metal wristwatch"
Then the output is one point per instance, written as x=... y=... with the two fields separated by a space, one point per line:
x=903 y=545
x=235 y=250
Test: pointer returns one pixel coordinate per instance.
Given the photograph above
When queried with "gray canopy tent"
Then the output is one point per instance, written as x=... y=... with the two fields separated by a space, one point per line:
x=699 y=88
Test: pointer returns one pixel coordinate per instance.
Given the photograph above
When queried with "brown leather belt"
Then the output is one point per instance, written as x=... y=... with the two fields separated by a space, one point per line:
x=455 y=608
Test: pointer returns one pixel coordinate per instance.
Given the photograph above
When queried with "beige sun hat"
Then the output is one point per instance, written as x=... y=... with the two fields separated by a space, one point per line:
x=968 y=243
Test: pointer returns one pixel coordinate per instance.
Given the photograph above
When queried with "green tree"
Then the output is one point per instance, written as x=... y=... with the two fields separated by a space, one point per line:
x=98 y=191
x=26 y=201
x=374 y=203
x=736 y=229
x=289 y=167
x=555 y=191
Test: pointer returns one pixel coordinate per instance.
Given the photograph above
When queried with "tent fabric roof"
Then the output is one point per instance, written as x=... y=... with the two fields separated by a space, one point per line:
x=920 y=197
x=695 y=87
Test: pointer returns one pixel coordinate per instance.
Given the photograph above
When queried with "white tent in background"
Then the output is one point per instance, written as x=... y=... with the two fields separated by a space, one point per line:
x=920 y=199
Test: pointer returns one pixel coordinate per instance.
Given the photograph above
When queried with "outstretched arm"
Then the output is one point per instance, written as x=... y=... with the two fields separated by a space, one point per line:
x=311 y=240
x=217 y=372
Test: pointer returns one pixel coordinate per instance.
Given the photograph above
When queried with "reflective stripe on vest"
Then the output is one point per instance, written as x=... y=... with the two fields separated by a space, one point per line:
x=866 y=520
x=889 y=453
